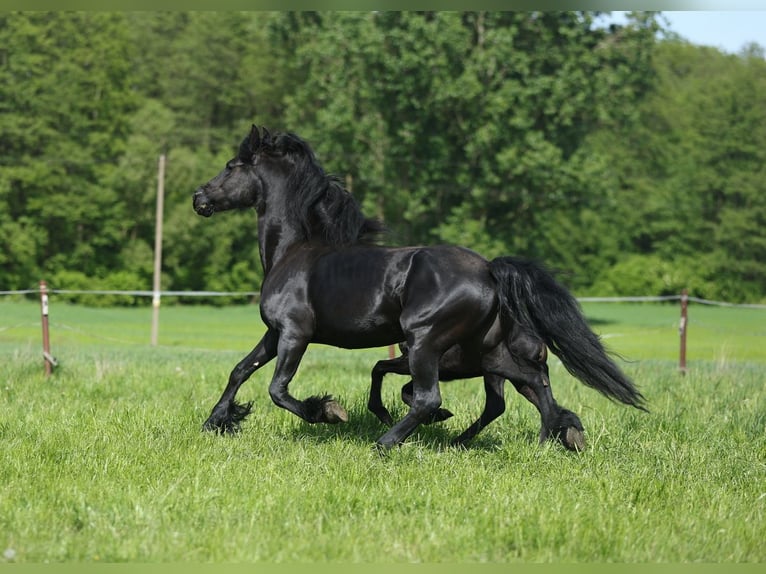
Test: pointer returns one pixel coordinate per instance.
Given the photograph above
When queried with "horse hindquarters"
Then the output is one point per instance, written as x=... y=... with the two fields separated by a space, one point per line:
x=533 y=298
x=445 y=302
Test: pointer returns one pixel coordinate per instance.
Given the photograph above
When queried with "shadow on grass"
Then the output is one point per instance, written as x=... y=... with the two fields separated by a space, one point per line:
x=363 y=428
x=597 y=321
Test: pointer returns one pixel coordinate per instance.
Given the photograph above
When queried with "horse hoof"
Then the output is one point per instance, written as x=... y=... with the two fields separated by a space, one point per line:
x=323 y=410
x=439 y=416
x=574 y=439
x=218 y=428
x=381 y=449
x=383 y=416
x=333 y=413
x=208 y=426
x=228 y=419
x=384 y=447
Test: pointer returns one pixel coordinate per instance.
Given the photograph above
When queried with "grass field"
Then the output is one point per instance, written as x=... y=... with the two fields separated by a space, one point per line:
x=105 y=461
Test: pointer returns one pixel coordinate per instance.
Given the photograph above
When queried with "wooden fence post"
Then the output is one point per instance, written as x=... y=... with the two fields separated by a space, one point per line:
x=158 y=250
x=48 y=359
x=682 y=328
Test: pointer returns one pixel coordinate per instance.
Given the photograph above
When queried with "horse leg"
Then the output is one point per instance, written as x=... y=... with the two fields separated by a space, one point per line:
x=437 y=416
x=313 y=409
x=526 y=361
x=227 y=414
x=426 y=398
x=400 y=366
x=494 y=406
x=527 y=370
x=555 y=422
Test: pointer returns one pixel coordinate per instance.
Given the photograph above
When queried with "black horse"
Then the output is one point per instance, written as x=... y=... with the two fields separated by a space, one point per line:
x=525 y=366
x=326 y=281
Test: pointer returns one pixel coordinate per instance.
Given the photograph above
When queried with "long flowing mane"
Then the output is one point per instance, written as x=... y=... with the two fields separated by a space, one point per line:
x=323 y=207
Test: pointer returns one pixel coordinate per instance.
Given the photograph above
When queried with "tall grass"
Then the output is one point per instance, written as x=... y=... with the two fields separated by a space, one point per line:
x=105 y=460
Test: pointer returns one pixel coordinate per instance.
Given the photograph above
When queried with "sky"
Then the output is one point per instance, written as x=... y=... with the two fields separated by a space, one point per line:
x=727 y=30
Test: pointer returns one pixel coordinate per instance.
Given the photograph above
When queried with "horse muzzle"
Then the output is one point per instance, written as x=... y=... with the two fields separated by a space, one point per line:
x=202 y=205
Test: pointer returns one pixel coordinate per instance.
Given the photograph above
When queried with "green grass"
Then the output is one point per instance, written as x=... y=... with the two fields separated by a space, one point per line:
x=105 y=460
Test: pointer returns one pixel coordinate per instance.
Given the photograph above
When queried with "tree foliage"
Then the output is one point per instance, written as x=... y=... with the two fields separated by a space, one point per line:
x=632 y=164
x=690 y=173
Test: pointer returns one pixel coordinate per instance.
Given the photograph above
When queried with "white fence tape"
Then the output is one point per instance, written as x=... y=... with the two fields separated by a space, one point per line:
x=138 y=293
x=646 y=299
x=667 y=298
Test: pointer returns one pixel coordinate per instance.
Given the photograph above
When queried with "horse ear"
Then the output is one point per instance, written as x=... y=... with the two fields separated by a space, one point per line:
x=255 y=139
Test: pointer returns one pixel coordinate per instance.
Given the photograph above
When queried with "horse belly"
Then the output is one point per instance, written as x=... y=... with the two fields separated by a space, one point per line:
x=359 y=339
x=355 y=305
x=355 y=324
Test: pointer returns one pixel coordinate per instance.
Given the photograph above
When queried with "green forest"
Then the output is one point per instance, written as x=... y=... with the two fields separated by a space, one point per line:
x=627 y=159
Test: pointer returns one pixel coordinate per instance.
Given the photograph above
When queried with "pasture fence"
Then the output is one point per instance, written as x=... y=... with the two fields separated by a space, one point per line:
x=49 y=361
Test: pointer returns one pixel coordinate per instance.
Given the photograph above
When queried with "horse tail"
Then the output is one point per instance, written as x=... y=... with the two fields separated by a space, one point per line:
x=532 y=298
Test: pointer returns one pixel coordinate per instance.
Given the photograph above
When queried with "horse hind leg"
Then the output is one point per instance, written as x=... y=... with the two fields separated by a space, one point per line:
x=399 y=365
x=528 y=372
x=494 y=406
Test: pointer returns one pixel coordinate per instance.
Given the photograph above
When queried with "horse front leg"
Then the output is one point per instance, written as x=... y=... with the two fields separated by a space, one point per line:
x=314 y=409
x=227 y=414
x=400 y=366
x=426 y=398
x=437 y=416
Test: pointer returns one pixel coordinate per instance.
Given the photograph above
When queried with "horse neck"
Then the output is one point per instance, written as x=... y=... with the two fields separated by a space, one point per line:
x=276 y=235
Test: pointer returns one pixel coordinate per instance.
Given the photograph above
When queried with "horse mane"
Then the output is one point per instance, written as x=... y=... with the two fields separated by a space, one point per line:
x=319 y=201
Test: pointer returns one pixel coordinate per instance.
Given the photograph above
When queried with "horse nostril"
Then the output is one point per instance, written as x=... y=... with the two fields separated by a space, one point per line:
x=199 y=200
x=202 y=205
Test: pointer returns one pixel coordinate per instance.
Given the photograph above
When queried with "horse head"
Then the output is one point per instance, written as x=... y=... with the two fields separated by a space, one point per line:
x=237 y=185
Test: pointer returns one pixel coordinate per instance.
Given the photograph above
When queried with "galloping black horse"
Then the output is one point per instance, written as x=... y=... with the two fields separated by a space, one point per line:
x=525 y=366
x=528 y=373
x=326 y=282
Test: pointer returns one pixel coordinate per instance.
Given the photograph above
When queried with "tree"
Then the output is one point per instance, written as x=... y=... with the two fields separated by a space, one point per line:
x=602 y=151
x=66 y=94
x=690 y=172
x=466 y=127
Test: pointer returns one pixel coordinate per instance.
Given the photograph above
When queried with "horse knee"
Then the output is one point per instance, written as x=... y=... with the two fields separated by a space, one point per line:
x=378 y=371
x=277 y=395
x=425 y=404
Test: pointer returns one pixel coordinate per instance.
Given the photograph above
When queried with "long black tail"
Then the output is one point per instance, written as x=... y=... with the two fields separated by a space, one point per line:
x=531 y=297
